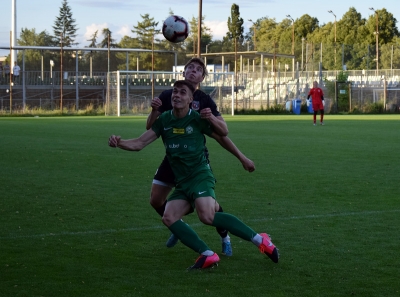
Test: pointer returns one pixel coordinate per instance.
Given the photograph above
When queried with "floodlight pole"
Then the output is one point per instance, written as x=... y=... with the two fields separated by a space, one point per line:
x=199 y=29
x=61 y=73
x=377 y=39
x=205 y=58
x=330 y=11
x=254 y=37
x=292 y=42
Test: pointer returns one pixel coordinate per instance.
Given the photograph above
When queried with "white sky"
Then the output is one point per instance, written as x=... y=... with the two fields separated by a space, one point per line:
x=121 y=15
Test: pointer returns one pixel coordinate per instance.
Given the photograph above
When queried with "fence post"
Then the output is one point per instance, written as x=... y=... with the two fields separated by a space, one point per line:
x=384 y=93
x=349 y=96
x=336 y=97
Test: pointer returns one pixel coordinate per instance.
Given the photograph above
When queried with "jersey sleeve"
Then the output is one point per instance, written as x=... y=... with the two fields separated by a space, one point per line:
x=157 y=126
x=213 y=107
x=205 y=127
x=208 y=103
x=165 y=98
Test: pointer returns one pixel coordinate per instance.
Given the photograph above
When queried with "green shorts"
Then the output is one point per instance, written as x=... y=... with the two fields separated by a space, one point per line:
x=200 y=186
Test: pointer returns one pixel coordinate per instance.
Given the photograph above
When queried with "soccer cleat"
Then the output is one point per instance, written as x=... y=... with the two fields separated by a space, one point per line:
x=268 y=248
x=314 y=124
x=205 y=262
x=227 y=249
x=322 y=123
x=172 y=241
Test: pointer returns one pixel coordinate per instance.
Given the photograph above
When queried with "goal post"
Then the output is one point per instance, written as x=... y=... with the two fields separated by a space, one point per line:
x=130 y=92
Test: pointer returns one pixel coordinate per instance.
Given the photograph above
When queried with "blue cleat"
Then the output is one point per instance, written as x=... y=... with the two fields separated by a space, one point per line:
x=172 y=241
x=227 y=249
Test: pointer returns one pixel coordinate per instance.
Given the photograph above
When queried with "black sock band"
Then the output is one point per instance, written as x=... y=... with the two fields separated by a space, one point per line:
x=222 y=232
x=160 y=210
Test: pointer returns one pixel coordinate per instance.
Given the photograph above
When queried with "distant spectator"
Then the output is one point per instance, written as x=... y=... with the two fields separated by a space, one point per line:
x=16 y=71
x=7 y=71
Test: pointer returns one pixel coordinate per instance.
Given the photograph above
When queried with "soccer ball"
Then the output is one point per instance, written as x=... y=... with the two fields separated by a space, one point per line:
x=175 y=29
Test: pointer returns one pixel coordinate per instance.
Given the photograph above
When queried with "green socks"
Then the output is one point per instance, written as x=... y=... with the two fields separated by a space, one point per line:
x=233 y=225
x=188 y=237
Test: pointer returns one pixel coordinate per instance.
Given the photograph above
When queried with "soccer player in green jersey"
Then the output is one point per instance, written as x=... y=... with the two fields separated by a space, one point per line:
x=182 y=131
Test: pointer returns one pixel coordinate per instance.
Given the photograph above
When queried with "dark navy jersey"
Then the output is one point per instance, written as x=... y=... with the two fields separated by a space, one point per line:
x=200 y=101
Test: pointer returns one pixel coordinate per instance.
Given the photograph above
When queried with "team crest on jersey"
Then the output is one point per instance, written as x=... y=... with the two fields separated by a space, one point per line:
x=195 y=105
x=189 y=130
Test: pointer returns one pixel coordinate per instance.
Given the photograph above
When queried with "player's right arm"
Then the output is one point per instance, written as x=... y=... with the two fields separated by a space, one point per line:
x=135 y=144
x=154 y=114
x=228 y=144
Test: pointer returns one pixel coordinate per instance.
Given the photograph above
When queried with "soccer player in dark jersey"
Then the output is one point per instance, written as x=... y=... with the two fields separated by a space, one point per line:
x=318 y=103
x=182 y=130
x=163 y=182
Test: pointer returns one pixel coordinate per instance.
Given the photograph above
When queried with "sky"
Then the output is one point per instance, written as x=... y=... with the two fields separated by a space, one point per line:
x=121 y=15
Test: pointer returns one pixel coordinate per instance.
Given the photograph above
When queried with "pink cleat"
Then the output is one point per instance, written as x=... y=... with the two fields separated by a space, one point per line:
x=205 y=262
x=268 y=248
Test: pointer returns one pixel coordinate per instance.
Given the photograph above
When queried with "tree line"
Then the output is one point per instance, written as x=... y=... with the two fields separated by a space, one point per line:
x=350 y=40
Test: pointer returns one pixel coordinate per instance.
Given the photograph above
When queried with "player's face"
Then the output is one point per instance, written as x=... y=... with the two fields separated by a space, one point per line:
x=181 y=97
x=315 y=84
x=194 y=73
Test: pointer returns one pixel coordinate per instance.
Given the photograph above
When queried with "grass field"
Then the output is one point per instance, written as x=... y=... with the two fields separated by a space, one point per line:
x=75 y=218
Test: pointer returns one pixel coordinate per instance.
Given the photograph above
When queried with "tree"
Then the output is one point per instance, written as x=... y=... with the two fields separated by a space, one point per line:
x=235 y=32
x=93 y=39
x=33 y=57
x=266 y=35
x=145 y=33
x=351 y=35
x=64 y=26
x=235 y=24
x=107 y=41
x=191 y=41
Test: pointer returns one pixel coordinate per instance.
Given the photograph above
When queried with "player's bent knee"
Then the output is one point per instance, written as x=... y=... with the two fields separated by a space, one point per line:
x=206 y=218
x=158 y=195
x=168 y=220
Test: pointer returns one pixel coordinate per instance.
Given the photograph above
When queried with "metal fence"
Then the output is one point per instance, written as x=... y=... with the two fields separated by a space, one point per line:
x=242 y=91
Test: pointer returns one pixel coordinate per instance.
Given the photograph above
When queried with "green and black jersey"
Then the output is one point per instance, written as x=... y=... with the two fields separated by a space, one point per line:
x=184 y=142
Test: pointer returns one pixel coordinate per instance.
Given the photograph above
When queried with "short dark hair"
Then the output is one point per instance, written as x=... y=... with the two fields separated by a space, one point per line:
x=180 y=83
x=198 y=61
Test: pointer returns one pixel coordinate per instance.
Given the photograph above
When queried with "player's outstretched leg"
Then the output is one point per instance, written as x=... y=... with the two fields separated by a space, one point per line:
x=238 y=228
x=204 y=261
x=189 y=237
x=225 y=239
x=268 y=248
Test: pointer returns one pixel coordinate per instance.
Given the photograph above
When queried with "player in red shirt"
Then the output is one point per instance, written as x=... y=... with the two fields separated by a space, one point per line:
x=318 y=103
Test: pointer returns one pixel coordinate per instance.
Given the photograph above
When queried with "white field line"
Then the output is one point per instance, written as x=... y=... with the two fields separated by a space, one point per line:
x=161 y=226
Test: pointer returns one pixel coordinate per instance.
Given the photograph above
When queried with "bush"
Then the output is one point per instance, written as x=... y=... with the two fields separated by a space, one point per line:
x=374 y=108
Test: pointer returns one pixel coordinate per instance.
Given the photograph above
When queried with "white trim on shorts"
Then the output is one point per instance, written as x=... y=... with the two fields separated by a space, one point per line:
x=161 y=183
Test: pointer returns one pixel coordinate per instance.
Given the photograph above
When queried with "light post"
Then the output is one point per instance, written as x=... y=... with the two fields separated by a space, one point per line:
x=302 y=52
x=376 y=36
x=51 y=70
x=254 y=37
x=154 y=31
x=51 y=80
x=91 y=64
x=205 y=58
x=61 y=72
x=292 y=42
x=330 y=11
x=199 y=28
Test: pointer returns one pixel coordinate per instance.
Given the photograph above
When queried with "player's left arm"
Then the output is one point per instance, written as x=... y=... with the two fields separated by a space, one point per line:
x=228 y=144
x=217 y=122
x=213 y=116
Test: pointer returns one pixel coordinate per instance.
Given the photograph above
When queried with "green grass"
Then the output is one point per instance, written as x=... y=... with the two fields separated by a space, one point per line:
x=76 y=221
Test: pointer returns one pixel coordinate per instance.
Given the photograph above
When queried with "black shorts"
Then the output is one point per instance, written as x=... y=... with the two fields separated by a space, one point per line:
x=164 y=175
